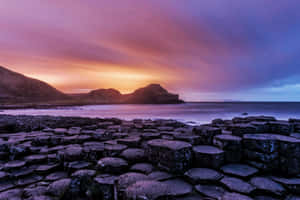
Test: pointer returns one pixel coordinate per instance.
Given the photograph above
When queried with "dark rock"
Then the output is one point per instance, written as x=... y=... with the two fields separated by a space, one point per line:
x=74 y=131
x=261 y=126
x=112 y=150
x=5 y=185
x=3 y=176
x=235 y=196
x=112 y=165
x=34 y=192
x=260 y=197
x=242 y=129
x=207 y=133
x=35 y=159
x=160 y=176
x=264 y=143
x=134 y=155
x=25 y=171
x=15 y=194
x=237 y=185
x=280 y=127
x=48 y=168
x=130 y=141
x=93 y=151
x=231 y=145
x=293 y=184
x=292 y=197
x=268 y=186
x=13 y=165
x=192 y=139
x=178 y=187
x=210 y=191
x=150 y=135
x=174 y=156
x=81 y=186
x=29 y=180
x=72 y=153
x=144 y=168
x=84 y=172
x=190 y=197
x=239 y=170
x=56 y=176
x=59 y=188
x=150 y=190
x=60 y=131
x=203 y=175
x=76 y=165
x=208 y=156
x=104 y=187
x=228 y=142
x=125 y=180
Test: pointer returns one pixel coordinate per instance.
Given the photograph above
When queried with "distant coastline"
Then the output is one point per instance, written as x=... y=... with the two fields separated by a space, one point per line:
x=19 y=91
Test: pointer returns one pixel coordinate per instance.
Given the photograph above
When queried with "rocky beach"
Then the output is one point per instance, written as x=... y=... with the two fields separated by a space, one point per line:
x=45 y=157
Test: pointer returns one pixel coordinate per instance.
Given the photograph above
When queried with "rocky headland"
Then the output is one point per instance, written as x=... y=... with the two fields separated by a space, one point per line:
x=19 y=91
x=60 y=158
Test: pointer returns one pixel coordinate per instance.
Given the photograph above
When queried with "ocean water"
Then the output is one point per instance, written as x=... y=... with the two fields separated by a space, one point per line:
x=192 y=113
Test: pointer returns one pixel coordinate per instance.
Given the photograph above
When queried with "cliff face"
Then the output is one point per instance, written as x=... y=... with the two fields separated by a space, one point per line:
x=15 y=87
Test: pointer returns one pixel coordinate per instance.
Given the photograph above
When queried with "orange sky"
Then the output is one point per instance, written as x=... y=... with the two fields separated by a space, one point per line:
x=203 y=50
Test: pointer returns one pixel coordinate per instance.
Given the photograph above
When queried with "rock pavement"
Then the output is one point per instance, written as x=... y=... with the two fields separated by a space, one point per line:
x=61 y=158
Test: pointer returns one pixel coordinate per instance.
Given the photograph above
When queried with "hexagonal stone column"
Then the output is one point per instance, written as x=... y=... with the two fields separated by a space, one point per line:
x=231 y=145
x=280 y=127
x=174 y=156
x=262 y=150
x=207 y=134
x=208 y=156
x=289 y=155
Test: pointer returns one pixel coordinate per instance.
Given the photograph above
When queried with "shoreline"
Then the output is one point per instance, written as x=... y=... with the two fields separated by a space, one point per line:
x=57 y=105
x=76 y=158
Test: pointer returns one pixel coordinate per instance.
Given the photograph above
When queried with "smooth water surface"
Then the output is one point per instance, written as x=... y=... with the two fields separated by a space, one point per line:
x=198 y=113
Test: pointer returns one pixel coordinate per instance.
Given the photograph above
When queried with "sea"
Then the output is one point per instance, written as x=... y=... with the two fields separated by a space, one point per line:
x=191 y=113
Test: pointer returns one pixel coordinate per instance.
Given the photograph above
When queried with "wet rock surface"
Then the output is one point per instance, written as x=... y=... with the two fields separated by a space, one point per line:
x=60 y=158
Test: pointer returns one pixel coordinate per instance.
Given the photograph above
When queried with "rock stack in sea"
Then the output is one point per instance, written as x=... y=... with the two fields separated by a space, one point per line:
x=45 y=158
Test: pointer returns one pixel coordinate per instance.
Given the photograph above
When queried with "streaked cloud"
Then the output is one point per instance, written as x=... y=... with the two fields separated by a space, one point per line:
x=224 y=48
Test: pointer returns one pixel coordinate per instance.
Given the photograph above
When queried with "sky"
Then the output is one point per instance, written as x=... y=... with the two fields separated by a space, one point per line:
x=208 y=50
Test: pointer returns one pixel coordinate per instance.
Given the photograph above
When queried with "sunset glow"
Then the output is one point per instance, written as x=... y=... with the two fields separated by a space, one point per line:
x=203 y=50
